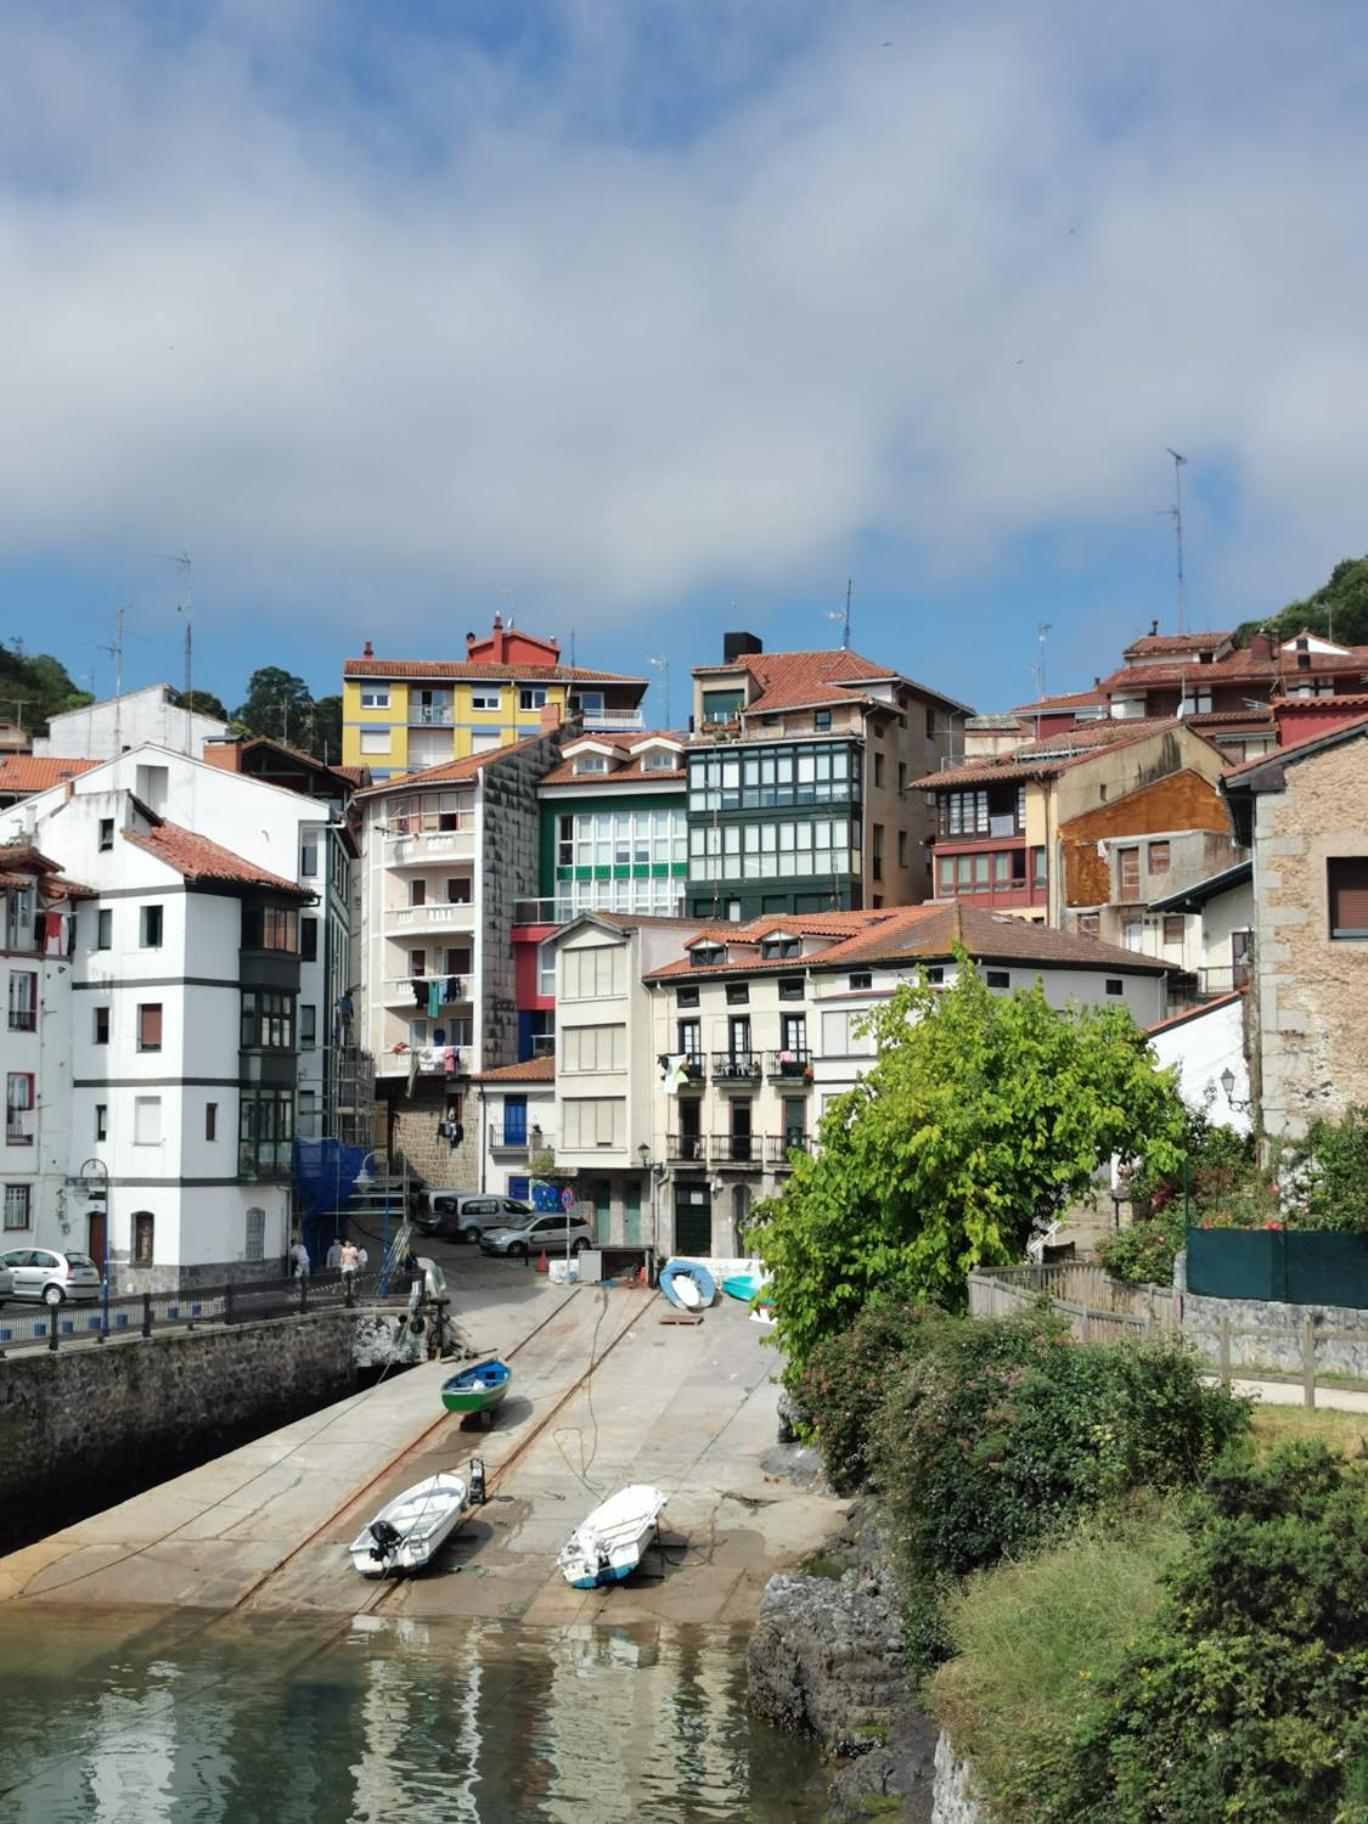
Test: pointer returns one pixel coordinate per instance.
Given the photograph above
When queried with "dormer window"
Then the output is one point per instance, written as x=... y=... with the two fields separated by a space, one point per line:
x=774 y=949
x=591 y=763
x=659 y=763
x=707 y=956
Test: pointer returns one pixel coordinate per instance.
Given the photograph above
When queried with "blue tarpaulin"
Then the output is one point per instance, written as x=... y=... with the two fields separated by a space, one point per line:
x=325 y=1175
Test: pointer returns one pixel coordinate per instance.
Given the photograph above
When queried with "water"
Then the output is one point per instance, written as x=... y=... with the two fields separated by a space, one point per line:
x=191 y=1720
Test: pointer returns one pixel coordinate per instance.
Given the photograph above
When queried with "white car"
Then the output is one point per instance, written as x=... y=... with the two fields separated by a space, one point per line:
x=551 y=1231
x=50 y=1278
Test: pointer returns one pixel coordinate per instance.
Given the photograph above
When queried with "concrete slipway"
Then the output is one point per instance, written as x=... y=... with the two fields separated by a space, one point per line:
x=264 y=1528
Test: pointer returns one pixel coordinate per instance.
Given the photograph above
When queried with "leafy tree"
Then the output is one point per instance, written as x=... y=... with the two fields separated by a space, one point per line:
x=35 y=686
x=325 y=731
x=982 y=1117
x=1338 y=609
x=202 y=703
x=1327 y=1175
x=278 y=704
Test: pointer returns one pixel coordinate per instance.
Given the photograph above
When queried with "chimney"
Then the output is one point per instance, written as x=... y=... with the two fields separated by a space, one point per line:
x=1154 y=629
x=368 y=651
x=470 y=641
x=550 y=718
x=1261 y=645
x=498 y=621
x=737 y=645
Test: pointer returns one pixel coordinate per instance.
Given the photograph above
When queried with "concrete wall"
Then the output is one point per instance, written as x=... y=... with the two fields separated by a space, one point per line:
x=104 y=730
x=1203 y=1045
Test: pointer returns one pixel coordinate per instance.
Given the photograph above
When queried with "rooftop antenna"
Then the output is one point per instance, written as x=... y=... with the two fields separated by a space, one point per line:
x=511 y=597
x=182 y=563
x=1175 y=513
x=116 y=653
x=19 y=703
x=1038 y=669
x=843 y=616
x=663 y=667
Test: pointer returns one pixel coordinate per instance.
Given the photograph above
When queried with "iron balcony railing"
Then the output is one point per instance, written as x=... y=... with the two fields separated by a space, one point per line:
x=735 y=1066
x=506 y=1139
x=686 y=1149
x=780 y=1147
x=792 y=1064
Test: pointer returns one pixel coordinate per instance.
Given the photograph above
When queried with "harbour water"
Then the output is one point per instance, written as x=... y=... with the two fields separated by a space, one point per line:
x=194 y=1719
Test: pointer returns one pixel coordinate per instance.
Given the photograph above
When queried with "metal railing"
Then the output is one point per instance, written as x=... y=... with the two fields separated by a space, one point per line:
x=779 y=1147
x=141 y=1313
x=793 y=1064
x=686 y=1149
x=505 y=1139
x=435 y=715
x=737 y=1149
x=735 y=1066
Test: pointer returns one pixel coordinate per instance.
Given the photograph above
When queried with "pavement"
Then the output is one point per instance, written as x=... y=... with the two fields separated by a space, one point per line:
x=264 y=1529
x=1291 y=1393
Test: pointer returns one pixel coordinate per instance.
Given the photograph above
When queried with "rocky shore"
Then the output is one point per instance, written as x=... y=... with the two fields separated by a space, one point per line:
x=826 y=1658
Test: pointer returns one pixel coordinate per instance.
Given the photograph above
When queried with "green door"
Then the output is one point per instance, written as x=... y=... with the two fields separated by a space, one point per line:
x=631 y=1215
x=603 y=1212
x=693 y=1217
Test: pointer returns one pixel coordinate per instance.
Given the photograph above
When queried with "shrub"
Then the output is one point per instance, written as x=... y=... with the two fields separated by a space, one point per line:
x=1001 y=1433
x=846 y=1378
x=1328 y=1174
x=1248 y=1696
x=1143 y=1254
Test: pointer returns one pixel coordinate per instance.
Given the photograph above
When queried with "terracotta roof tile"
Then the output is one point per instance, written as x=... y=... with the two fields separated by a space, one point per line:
x=37 y=772
x=1195 y=1013
x=531 y=1070
x=1181 y=642
x=799 y=680
x=1045 y=758
x=476 y=669
x=200 y=860
x=448 y=772
x=632 y=768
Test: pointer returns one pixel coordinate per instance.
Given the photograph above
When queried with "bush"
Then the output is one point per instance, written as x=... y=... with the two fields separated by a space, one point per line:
x=1248 y=1696
x=1143 y=1254
x=1329 y=1175
x=1001 y=1433
x=845 y=1380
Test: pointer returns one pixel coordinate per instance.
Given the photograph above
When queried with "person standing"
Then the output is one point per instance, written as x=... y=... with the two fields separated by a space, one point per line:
x=335 y=1252
x=299 y=1258
x=349 y=1259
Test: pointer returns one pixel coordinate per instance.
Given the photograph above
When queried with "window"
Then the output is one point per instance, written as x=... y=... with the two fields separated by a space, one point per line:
x=687 y=997
x=144 y=1230
x=902 y=848
x=106 y=833
x=101 y=1025
x=821 y=718
x=1159 y=858
x=267 y=1021
x=17 y=1203
x=211 y=1120
x=147 y=1120
x=935 y=975
x=878 y=851
x=690 y=1034
x=151 y=784
x=589 y=974
x=485 y=696
x=660 y=763
x=706 y=956
x=878 y=770
x=774 y=948
x=1115 y=985
x=1347 y=884
x=102 y=1121
x=1128 y=872
x=308 y=940
x=738 y=994
x=592 y=1123
x=790 y=987
x=149 y=1026
x=270 y=928
x=1089 y=924
x=375 y=741
x=265 y=1131
x=308 y=1026
x=150 y=928
x=998 y=978
x=1038 y=869
x=308 y=857
x=546 y=969
x=375 y=697
x=592 y=1048
x=862 y=979
x=104 y=928
x=254 y=1242
x=902 y=777
x=417 y=892
x=841 y=1039
x=1174 y=927
x=531 y=696
x=23 y=1000
x=591 y=763
x=19 y=1086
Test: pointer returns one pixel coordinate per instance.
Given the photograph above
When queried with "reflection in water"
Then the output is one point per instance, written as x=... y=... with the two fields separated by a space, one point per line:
x=191 y=1721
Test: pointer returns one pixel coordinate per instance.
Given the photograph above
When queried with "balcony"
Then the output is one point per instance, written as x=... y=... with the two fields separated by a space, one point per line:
x=509 y=1139
x=735 y=1069
x=792 y=1066
x=686 y=1149
x=444 y=915
x=432 y=715
x=453 y=991
x=542 y=911
x=612 y=721
x=432 y=1060
x=779 y=1147
x=420 y=846
x=743 y=1152
x=695 y=1071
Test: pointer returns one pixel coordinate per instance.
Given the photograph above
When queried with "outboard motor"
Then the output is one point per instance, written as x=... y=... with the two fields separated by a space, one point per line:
x=387 y=1538
x=478 y=1495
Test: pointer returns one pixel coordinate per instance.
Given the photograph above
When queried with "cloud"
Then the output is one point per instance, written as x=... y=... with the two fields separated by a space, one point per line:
x=608 y=314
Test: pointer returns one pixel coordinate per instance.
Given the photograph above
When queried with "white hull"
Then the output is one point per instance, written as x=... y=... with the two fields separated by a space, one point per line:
x=411 y=1530
x=607 y=1546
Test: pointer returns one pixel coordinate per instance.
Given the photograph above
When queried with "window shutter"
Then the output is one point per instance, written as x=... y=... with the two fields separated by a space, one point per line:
x=1348 y=884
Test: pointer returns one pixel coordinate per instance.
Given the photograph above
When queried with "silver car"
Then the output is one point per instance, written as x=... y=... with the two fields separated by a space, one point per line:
x=548 y=1232
x=468 y=1214
x=48 y=1277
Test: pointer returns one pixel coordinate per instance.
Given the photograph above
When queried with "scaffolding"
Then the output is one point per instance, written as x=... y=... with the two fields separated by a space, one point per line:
x=349 y=1096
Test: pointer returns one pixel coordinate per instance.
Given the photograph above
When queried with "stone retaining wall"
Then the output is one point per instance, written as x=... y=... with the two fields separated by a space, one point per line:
x=1267 y=1334
x=951 y=1798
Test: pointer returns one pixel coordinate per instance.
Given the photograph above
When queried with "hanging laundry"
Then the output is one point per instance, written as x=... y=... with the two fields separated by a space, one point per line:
x=672 y=1072
x=434 y=999
x=453 y=988
x=450 y=1059
x=420 y=991
x=52 y=934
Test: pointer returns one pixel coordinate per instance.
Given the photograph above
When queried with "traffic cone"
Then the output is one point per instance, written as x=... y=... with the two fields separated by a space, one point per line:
x=541 y=1262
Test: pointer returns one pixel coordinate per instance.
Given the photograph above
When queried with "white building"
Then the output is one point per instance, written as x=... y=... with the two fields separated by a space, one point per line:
x=207 y=981
x=515 y=1105
x=103 y=731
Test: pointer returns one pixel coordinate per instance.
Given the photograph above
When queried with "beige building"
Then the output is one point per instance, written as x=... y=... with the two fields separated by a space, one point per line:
x=1303 y=811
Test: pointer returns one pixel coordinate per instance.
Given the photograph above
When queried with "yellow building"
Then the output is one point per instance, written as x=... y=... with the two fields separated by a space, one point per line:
x=403 y=715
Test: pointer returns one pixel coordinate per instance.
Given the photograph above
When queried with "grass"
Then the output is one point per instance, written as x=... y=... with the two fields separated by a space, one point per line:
x=1345 y=1432
x=1033 y=1638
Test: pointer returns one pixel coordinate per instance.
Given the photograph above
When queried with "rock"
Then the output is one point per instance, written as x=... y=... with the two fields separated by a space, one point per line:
x=893 y=1780
x=953 y=1801
x=792 y=1417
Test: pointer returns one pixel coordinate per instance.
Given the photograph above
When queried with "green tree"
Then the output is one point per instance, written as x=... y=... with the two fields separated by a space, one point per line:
x=325 y=730
x=278 y=704
x=1338 y=609
x=35 y=686
x=983 y=1116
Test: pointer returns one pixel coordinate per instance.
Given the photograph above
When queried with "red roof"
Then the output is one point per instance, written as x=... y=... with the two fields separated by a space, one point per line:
x=477 y=669
x=531 y=1070
x=1053 y=706
x=1195 y=1013
x=448 y=772
x=199 y=860
x=1160 y=643
x=37 y=772
x=1045 y=758
x=632 y=766
x=799 y=680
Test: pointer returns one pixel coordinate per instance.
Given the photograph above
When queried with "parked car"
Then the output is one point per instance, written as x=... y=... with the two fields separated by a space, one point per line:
x=6 y=1284
x=550 y=1231
x=467 y=1213
x=48 y=1277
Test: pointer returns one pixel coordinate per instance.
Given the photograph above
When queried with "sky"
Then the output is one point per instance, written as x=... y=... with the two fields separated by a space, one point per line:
x=638 y=320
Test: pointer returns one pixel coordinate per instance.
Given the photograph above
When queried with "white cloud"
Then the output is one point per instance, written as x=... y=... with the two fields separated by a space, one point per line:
x=943 y=278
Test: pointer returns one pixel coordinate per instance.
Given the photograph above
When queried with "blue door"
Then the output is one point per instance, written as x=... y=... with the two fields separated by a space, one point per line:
x=515 y=1121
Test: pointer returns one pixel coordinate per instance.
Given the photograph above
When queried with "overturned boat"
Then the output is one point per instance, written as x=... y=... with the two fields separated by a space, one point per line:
x=409 y=1532
x=607 y=1546
x=477 y=1390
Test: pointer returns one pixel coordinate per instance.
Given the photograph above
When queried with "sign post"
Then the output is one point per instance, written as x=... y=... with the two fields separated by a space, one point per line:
x=567 y=1207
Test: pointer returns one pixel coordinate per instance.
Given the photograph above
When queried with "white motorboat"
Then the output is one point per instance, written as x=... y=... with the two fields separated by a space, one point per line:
x=607 y=1546
x=408 y=1533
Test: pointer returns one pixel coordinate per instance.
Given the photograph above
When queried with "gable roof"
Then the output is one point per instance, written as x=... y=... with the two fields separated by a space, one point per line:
x=1192 y=899
x=531 y=1070
x=1161 y=643
x=221 y=752
x=28 y=773
x=202 y=862
x=1045 y=758
x=473 y=670
x=448 y=772
x=804 y=680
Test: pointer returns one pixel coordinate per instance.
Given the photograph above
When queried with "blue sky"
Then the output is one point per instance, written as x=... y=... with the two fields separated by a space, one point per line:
x=645 y=321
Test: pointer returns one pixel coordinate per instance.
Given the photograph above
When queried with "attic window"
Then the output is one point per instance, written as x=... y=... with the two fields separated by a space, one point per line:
x=862 y=979
x=659 y=763
x=591 y=763
x=774 y=948
x=707 y=956
x=998 y=978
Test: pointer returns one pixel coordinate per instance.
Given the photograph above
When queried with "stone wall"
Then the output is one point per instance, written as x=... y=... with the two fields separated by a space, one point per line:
x=85 y=1428
x=1267 y=1334
x=952 y=1801
x=510 y=870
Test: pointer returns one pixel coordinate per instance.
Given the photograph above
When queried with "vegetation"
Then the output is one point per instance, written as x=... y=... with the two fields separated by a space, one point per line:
x=1338 y=609
x=846 y=1379
x=982 y=1116
x=1326 y=1175
x=35 y=687
x=279 y=704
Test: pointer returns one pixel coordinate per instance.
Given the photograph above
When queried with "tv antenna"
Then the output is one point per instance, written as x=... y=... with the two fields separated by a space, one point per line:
x=1175 y=513
x=663 y=667
x=182 y=563
x=843 y=616
x=115 y=652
